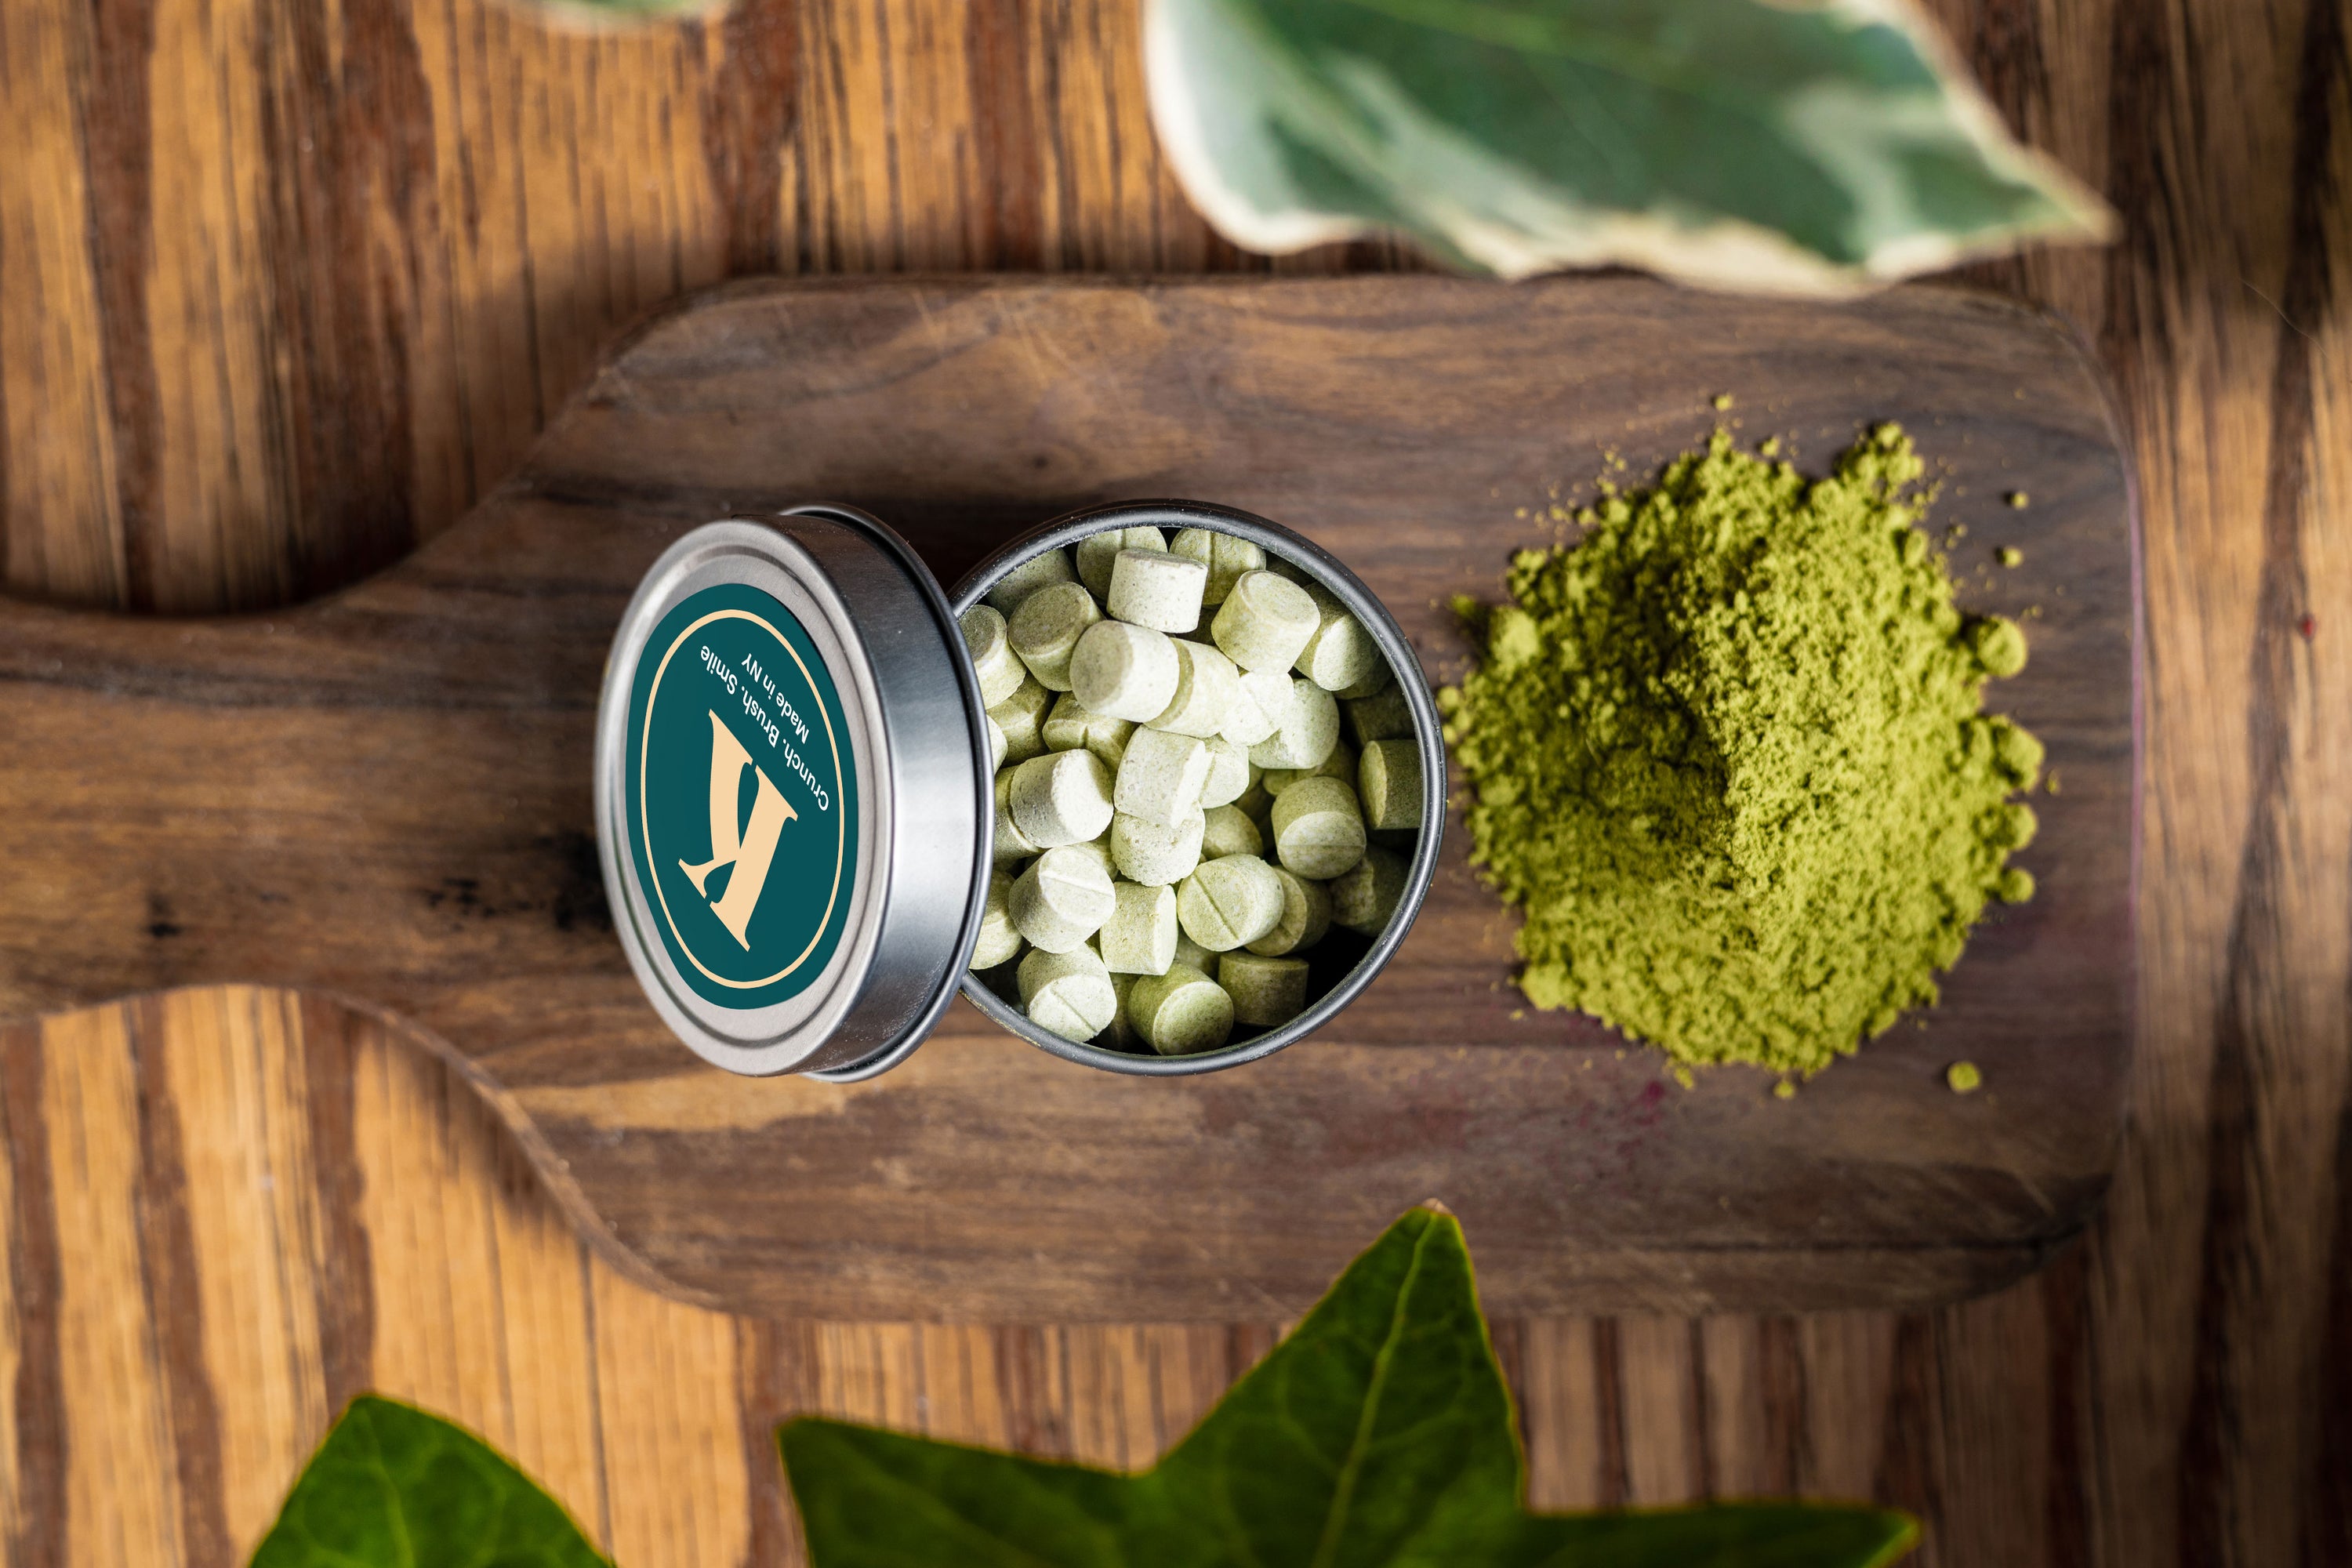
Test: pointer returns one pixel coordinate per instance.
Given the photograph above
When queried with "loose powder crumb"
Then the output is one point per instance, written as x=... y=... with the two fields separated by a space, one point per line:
x=1729 y=760
x=1965 y=1077
x=2020 y=499
x=2008 y=555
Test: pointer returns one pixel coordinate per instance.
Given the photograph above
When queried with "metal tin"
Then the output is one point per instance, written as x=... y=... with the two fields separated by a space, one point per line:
x=1403 y=662
x=817 y=623
x=793 y=790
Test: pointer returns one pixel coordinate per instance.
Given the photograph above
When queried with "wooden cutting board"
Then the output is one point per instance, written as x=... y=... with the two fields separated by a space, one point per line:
x=385 y=795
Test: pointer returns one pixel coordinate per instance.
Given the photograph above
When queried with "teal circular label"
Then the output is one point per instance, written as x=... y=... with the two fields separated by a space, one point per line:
x=742 y=797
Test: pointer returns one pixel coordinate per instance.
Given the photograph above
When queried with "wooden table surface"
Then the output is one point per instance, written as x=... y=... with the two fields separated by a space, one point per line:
x=284 y=286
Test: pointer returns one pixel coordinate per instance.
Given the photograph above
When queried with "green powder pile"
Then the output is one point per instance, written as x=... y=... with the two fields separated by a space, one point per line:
x=1728 y=762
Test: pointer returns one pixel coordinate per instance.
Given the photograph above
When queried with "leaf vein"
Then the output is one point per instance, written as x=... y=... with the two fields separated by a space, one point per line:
x=1343 y=1494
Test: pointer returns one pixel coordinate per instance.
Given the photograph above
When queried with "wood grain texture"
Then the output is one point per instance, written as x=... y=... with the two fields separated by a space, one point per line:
x=2174 y=1392
x=385 y=796
x=391 y=1239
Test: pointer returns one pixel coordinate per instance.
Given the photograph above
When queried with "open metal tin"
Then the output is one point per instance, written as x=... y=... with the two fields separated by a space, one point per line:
x=793 y=791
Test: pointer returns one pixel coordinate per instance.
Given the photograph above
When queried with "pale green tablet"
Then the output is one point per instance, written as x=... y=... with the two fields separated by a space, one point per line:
x=1207 y=687
x=1023 y=718
x=1154 y=588
x=1095 y=551
x=1265 y=991
x=1310 y=728
x=1341 y=654
x=1129 y=672
x=1384 y=716
x=1154 y=853
x=1160 y=777
x=1226 y=830
x=1011 y=844
x=1072 y=725
x=1226 y=556
x=1388 y=781
x=1229 y=903
x=1000 y=670
x=1264 y=622
x=1306 y=916
x=1046 y=627
x=1000 y=940
x=1046 y=566
x=1139 y=938
x=1061 y=900
x=1366 y=898
x=1068 y=993
x=1319 y=828
x=1182 y=1012
x=1062 y=797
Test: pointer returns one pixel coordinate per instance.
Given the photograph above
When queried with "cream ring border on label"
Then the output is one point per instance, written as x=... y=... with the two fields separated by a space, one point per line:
x=645 y=820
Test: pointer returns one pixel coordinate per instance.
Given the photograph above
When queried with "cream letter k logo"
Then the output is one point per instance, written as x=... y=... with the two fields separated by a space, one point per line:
x=750 y=849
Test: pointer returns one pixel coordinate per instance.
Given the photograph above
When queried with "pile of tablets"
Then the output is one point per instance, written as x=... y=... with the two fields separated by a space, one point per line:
x=1180 y=818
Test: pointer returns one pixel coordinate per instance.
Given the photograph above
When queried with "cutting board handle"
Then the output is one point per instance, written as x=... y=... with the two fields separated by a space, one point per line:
x=383 y=793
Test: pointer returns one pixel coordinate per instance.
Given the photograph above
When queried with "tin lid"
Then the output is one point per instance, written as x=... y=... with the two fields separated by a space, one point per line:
x=793 y=804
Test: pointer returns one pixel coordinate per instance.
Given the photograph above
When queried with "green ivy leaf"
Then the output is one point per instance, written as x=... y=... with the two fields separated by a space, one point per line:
x=392 y=1487
x=1379 y=1435
x=1817 y=146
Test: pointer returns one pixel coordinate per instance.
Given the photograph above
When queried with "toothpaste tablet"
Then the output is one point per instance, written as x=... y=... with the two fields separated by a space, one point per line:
x=1018 y=583
x=1000 y=670
x=1310 y=728
x=1096 y=551
x=1306 y=917
x=1207 y=687
x=1319 y=828
x=1000 y=940
x=1266 y=991
x=1061 y=900
x=1070 y=726
x=1156 y=854
x=1069 y=993
x=1124 y=671
x=1160 y=777
x=1226 y=556
x=1047 y=626
x=1181 y=1013
x=1139 y=937
x=1022 y=717
x=1229 y=903
x=1388 y=781
x=1062 y=797
x=1265 y=622
x=1154 y=588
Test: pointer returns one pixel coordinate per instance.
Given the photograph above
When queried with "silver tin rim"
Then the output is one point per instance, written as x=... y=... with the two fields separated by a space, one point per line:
x=1427 y=734
x=879 y=616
